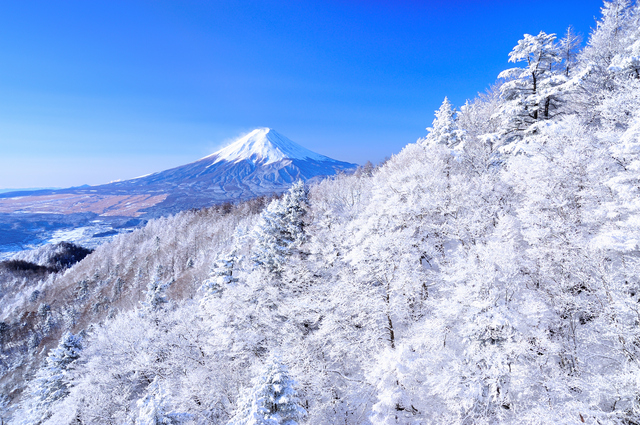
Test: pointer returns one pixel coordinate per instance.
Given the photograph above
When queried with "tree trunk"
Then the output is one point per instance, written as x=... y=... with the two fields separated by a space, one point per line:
x=547 y=102
x=392 y=336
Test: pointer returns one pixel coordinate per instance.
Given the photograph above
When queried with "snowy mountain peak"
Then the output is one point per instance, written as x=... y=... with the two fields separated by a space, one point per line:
x=265 y=146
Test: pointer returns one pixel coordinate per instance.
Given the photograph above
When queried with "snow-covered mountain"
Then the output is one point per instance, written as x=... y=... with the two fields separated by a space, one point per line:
x=265 y=146
x=260 y=163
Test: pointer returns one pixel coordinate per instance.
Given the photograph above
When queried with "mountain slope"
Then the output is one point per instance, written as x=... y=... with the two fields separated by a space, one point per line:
x=261 y=162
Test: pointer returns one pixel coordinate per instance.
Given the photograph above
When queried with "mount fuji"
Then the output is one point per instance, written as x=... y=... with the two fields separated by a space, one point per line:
x=262 y=162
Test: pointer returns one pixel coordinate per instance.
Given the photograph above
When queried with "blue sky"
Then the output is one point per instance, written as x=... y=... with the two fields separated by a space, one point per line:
x=94 y=91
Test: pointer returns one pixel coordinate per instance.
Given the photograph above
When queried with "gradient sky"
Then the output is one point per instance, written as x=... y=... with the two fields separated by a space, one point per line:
x=94 y=91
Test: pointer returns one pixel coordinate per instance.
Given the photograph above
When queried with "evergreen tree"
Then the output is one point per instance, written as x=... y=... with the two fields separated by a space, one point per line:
x=445 y=129
x=532 y=93
x=281 y=229
x=155 y=296
x=272 y=400
x=221 y=275
x=51 y=381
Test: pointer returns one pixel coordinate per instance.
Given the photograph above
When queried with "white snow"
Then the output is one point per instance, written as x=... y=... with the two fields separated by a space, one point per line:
x=142 y=176
x=72 y=235
x=266 y=146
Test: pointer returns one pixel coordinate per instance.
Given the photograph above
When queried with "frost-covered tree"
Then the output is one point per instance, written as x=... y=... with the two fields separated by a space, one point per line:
x=623 y=211
x=606 y=41
x=221 y=275
x=152 y=408
x=398 y=387
x=627 y=61
x=605 y=58
x=464 y=285
x=51 y=382
x=444 y=129
x=281 y=229
x=569 y=47
x=272 y=400
x=155 y=296
x=532 y=93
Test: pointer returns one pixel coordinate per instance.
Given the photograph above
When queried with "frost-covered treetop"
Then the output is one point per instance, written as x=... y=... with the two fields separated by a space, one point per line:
x=444 y=128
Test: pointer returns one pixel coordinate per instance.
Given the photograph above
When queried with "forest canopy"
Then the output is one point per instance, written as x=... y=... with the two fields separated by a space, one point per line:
x=488 y=273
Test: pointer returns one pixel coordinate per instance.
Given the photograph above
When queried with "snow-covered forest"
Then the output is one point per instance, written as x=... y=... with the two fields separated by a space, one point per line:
x=488 y=273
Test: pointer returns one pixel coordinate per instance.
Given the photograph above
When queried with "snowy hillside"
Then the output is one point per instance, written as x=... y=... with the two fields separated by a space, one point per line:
x=487 y=274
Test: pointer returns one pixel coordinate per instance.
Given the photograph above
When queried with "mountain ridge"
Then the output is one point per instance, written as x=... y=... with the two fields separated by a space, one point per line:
x=259 y=163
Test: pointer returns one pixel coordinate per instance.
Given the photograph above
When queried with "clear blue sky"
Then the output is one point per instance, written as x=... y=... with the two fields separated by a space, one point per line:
x=94 y=91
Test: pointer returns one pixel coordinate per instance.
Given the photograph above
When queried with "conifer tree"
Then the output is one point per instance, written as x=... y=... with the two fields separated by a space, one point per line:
x=281 y=229
x=221 y=275
x=532 y=93
x=155 y=296
x=445 y=129
x=51 y=382
x=272 y=400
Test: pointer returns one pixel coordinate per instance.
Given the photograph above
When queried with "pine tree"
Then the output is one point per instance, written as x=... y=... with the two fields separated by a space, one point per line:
x=155 y=296
x=51 y=382
x=532 y=93
x=445 y=129
x=272 y=400
x=221 y=275
x=281 y=229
